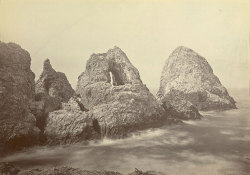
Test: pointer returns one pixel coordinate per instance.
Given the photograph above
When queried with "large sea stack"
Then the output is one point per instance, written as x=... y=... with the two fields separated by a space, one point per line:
x=17 y=88
x=112 y=91
x=188 y=76
x=51 y=89
x=111 y=101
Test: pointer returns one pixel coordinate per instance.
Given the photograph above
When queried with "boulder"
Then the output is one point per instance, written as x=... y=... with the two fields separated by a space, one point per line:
x=188 y=76
x=70 y=124
x=17 y=88
x=51 y=89
x=180 y=108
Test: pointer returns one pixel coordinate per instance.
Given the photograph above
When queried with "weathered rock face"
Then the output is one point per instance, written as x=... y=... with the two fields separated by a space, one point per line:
x=180 y=108
x=51 y=89
x=70 y=124
x=17 y=124
x=112 y=101
x=188 y=76
x=53 y=83
x=112 y=91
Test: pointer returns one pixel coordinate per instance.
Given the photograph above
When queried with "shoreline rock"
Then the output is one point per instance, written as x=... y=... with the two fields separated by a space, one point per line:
x=181 y=109
x=17 y=124
x=65 y=170
x=112 y=102
x=70 y=124
x=51 y=89
x=112 y=91
x=188 y=76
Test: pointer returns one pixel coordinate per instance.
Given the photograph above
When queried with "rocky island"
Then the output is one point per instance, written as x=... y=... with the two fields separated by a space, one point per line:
x=187 y=77
x=110 y=101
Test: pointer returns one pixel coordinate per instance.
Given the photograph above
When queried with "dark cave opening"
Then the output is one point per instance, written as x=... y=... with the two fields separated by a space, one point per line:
x=96 y=126
x=116 y=78
x=47 y=84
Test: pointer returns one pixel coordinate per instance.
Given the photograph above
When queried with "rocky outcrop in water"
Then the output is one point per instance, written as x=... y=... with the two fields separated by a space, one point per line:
x=52 y=88
x=188 y=76
x=180 y=108
x=112 y=101
x=71 y=124
x=112 y=91
x=17 y=88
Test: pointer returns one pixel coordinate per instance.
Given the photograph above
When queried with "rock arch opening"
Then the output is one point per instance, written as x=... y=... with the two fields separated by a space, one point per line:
x=116 y=78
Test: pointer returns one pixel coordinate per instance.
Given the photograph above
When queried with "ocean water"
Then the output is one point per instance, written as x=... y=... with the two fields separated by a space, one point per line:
x=219 y=144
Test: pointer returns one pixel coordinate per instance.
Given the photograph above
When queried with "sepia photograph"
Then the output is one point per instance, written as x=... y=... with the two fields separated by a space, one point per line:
x=124 y=87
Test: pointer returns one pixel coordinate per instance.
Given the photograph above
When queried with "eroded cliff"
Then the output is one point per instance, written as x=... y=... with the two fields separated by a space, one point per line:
x=17 y=88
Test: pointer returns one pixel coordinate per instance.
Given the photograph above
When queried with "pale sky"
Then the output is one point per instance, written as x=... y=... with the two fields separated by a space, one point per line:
x=68 y=32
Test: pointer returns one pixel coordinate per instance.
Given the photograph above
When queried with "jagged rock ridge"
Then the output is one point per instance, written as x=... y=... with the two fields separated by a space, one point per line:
x=113 y=98
x=51 y=89
x=17 y=124
x=188 y=76
x=53 y=83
